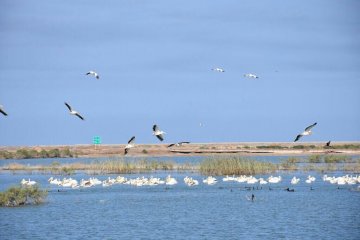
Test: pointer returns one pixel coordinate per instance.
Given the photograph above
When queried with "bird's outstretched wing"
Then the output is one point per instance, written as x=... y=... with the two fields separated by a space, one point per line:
x=132 y=140
x=297 y=137
x=68 y=106
x=126 y=151
x=160 y=137
x=155 y=128
x=310 y=127
x=328 y=144
x=77 y=114
x=173 y=144
x=183 y=143
x=3 y=112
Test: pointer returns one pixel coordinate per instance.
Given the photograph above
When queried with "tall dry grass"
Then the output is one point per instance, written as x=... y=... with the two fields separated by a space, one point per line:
x=229 y=165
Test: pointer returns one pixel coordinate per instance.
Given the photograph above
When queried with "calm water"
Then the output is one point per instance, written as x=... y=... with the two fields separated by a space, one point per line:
x=221 y=211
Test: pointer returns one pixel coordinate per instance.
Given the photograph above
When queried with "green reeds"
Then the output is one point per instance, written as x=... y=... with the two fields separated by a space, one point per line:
x=229 y=165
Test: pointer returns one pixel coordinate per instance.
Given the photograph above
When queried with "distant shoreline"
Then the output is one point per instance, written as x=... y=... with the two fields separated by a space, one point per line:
x=193 y=149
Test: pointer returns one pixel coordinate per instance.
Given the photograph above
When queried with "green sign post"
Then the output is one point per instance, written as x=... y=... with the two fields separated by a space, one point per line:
x=96 y=141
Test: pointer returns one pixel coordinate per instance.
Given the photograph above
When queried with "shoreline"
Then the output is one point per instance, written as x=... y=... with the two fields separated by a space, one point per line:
x=192 y=149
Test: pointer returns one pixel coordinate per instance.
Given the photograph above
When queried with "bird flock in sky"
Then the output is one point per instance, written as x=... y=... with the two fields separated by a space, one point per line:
x=157 y=132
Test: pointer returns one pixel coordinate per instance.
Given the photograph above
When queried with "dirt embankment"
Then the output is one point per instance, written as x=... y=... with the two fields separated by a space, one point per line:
x=246 y=149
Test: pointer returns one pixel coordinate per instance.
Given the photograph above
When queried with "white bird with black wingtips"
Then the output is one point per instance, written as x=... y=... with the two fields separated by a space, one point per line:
x=131 y=144
x=73 y=112
x=93 y=73
x=158 y=133
x=217 y=69
x=250 y=75
x=306 y=132
x=2 y=110
x=178 y=144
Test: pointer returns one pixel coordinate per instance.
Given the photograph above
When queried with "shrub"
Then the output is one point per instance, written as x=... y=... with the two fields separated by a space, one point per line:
x=18 y=196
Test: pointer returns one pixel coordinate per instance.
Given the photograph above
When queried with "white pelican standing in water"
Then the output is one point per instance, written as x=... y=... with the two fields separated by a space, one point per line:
x=306 y=132
x=158 y=133
x=73 y=112
x=295 y=180
x=93 y=73
x=131 y=144
x=2 y=110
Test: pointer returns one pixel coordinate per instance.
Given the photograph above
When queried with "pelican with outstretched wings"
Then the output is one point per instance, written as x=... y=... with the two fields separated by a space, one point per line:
x=178 y=144
x=93 y=73
x=2 y=110
x=306 y=132
x=158 y=133
x=73 y=112
x=131 y=144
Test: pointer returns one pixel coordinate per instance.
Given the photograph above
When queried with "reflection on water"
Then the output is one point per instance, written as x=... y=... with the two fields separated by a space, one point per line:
x=181 y=212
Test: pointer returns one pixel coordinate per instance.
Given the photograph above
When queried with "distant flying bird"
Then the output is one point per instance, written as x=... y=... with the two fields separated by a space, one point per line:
x=73 y=112
x=131 y=144
x=306 y=132
x=328 y=144
x=93 y=73
x=158 y=133
x=250 y=75
x=2 y=110
x=178 y=144
x=218 y=69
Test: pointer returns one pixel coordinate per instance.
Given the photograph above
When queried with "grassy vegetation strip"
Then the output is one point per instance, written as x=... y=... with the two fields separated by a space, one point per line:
x=229 y=165
x=21 y=195
x=117 y=165
x=32 y=153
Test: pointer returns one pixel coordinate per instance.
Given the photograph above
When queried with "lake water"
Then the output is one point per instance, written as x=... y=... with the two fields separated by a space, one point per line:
x=220 y=211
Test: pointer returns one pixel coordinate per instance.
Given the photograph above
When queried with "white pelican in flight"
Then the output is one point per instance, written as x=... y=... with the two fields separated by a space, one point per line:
x=93 y=73
x=73 y=112
x=250 y=75
x=218 y=69
x=158 y=133
x=131 y=144
x=178 y=144
x=306 y=132
x=2 y=110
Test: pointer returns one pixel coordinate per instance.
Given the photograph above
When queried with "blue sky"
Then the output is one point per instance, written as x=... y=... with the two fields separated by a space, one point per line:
x=155 y=58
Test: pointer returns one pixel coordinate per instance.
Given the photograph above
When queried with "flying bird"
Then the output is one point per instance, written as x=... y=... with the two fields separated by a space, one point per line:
x=158 y=133
x=328 y=144
x=93 y=73
x=178 y=144
x=218 y=69
x=2 y=110
x=131 y=144
x=250 y=75
x=73 y=112
x=306 y=132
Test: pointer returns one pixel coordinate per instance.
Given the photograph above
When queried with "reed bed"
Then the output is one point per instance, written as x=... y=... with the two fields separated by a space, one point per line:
x=118 y=165
x=235 y=165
